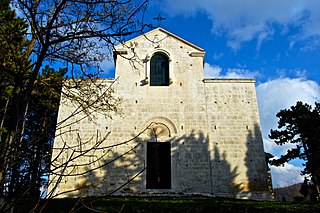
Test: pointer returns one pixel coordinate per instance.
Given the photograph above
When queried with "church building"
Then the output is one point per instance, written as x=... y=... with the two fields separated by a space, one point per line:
x=174 y=132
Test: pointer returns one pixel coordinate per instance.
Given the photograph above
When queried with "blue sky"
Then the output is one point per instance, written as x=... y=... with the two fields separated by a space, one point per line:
x=275 y=42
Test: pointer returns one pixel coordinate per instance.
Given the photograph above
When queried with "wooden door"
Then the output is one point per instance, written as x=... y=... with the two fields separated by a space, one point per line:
x=158 y=165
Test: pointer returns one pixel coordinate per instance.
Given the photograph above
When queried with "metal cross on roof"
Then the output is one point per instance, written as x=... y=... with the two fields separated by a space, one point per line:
x=159 y=19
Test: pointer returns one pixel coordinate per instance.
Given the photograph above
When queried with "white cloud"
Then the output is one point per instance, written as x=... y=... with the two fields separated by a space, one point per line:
x=286 y=175
x=241 y=73
x=271 y=147
x=212 y=71
x=273 y=96
x=215 y=71
x=282 y=93
x=246 y=20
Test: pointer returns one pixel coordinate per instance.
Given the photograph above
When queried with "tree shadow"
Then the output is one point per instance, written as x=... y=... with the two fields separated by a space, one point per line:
x=225 y=182
x=259 y=178
x=195 y=170
x=103 y=172
x=202 y=170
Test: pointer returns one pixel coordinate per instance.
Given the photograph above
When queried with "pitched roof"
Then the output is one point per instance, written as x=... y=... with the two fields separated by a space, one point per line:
x=169 y=33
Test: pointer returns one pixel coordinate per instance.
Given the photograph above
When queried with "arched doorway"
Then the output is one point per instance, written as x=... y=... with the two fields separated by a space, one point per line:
x=158 y=152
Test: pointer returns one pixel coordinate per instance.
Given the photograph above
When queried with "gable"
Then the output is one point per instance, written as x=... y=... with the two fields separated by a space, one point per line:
x=156 y=37
x=184 y=59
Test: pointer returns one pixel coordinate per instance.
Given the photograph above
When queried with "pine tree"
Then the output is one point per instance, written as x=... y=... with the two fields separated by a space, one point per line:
x=74 y=34
x=36 y=146
x=14 y=71
x=300 y=125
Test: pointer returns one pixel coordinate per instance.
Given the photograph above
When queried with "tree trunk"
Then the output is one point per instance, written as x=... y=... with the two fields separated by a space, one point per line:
x=3 y=147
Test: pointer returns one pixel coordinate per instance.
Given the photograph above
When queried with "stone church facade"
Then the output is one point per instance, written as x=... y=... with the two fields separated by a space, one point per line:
x=176 y=132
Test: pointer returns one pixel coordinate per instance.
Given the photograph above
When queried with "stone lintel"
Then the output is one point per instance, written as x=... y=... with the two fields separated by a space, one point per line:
x=197 y=54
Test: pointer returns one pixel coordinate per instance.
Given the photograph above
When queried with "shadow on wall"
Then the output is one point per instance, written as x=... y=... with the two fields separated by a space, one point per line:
x=259 y=178
x=118 y=172
x=196 y=168
x=123 y=170
x=225 y=179
x=198 y=172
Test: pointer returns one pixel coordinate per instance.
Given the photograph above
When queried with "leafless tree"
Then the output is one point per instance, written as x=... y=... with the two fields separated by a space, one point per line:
x=78 y=36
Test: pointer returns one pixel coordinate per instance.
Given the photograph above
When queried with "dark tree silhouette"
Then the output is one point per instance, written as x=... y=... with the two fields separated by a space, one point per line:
x=75 y=35
x=304 y=190
x=300 y=125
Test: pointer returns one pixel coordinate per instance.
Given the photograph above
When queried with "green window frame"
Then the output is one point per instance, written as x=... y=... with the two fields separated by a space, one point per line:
x=159 y=70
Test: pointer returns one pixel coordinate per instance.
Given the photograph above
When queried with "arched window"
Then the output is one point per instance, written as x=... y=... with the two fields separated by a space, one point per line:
x=159 y=70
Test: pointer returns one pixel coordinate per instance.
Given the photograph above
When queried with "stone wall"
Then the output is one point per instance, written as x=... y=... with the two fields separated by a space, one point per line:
x=212 y=125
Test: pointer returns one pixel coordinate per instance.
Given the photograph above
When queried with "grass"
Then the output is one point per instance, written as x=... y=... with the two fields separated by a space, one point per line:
x=168 y=204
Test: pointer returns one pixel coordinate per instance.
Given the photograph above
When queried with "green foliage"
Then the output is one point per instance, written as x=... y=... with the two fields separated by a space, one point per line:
x=32 y=154
x=49 y=33
x=300 y=125
x=27 y=122
x=14 y=63
x=14 y=72
x=14 y=60
x=39 y=132
x=165 y=204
